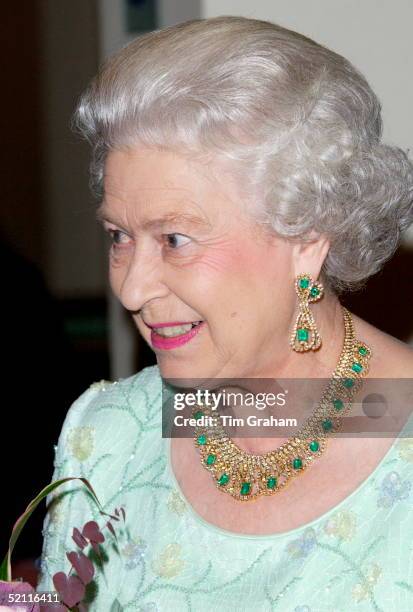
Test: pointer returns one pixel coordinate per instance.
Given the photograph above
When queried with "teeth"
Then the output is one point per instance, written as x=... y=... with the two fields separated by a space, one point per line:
x=176 y=330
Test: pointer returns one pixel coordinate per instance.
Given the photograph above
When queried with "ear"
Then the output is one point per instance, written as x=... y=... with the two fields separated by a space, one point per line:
x=308 y=257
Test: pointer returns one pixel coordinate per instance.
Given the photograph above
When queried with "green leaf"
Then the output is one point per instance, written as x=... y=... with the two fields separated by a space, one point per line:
x=5 y=567
x=3 y=570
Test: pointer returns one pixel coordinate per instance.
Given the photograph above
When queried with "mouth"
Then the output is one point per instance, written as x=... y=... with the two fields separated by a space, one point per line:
x=171 y=330
x=168 y=336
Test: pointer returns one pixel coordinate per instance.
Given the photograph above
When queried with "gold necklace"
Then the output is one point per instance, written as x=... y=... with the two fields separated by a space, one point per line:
x=247 y=476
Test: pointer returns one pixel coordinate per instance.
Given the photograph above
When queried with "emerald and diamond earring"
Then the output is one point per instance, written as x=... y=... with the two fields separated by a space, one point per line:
x=305 y=336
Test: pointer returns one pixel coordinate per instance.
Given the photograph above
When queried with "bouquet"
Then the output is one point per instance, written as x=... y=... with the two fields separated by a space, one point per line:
x=18 y=596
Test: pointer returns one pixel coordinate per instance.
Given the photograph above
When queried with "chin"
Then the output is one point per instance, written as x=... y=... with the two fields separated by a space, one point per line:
x=186 y=376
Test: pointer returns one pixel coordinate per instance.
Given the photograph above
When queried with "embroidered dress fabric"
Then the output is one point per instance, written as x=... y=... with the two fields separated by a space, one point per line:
x=357 y=556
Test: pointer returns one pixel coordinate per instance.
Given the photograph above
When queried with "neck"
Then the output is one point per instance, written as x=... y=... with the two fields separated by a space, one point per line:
x=301 y=397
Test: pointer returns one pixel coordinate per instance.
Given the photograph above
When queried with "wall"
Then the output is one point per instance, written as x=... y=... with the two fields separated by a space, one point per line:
x=373 y=34
x=21 y=210
x=75 y=264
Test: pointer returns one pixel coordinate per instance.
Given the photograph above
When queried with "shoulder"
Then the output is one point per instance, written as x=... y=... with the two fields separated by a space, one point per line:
x=136 y=390
x=107 y=418
x=391 y=358
x=143 y=384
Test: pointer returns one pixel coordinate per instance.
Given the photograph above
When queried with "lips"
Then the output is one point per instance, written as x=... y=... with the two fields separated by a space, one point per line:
x=165 y=343
x=170 y=324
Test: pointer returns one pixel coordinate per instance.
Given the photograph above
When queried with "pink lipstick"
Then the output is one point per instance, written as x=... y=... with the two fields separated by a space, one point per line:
x=162 y=342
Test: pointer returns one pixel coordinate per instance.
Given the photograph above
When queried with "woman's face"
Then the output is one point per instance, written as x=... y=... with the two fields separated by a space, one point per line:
x=184 y=251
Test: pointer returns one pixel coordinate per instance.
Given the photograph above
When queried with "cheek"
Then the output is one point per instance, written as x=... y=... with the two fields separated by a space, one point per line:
x=207 y=272
x=231 y=284
x=217 y=281
x=117 y=272
x=235 y=266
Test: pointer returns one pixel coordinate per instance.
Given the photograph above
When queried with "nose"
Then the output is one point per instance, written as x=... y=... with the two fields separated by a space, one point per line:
x=142 y=280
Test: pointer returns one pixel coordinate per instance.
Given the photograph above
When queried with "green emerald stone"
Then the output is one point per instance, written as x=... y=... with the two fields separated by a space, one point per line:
x=201 y=439
x=314 y=446
x=271 y=483
x=224 y=479
x=348 y=382
x=302 y=334
x=297 y=463
x=357 y=367
x=304 y=282
x=327 y=425
x=314 y=291
x=210 y=459
x=362 y=350
x=338 y=404
x=198 y=414
x=246 y=488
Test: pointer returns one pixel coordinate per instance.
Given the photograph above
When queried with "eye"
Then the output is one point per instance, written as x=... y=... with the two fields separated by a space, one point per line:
x=175 y=241
x=118 y=238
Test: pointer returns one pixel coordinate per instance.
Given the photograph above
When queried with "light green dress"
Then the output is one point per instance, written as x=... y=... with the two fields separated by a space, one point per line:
x=357 y=556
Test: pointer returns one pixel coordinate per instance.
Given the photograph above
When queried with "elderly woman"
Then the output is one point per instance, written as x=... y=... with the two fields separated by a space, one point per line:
x=244 y=187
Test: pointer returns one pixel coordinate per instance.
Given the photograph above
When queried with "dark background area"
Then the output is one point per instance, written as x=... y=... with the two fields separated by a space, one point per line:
x=54 y=345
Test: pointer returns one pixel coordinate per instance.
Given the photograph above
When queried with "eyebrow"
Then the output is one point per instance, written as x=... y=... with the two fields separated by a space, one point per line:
x=103 y=214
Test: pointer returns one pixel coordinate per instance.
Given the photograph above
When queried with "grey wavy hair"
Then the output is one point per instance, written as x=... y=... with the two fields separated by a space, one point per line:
x=298 y=125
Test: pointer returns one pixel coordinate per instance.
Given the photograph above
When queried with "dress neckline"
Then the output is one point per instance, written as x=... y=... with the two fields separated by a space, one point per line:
x=297 y=530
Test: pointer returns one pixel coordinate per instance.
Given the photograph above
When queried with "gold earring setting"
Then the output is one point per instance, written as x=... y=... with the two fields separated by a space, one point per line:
x=305 y=335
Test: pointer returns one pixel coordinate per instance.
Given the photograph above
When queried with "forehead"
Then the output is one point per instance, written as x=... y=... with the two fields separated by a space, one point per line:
x=151 y=174
x=150 y=182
